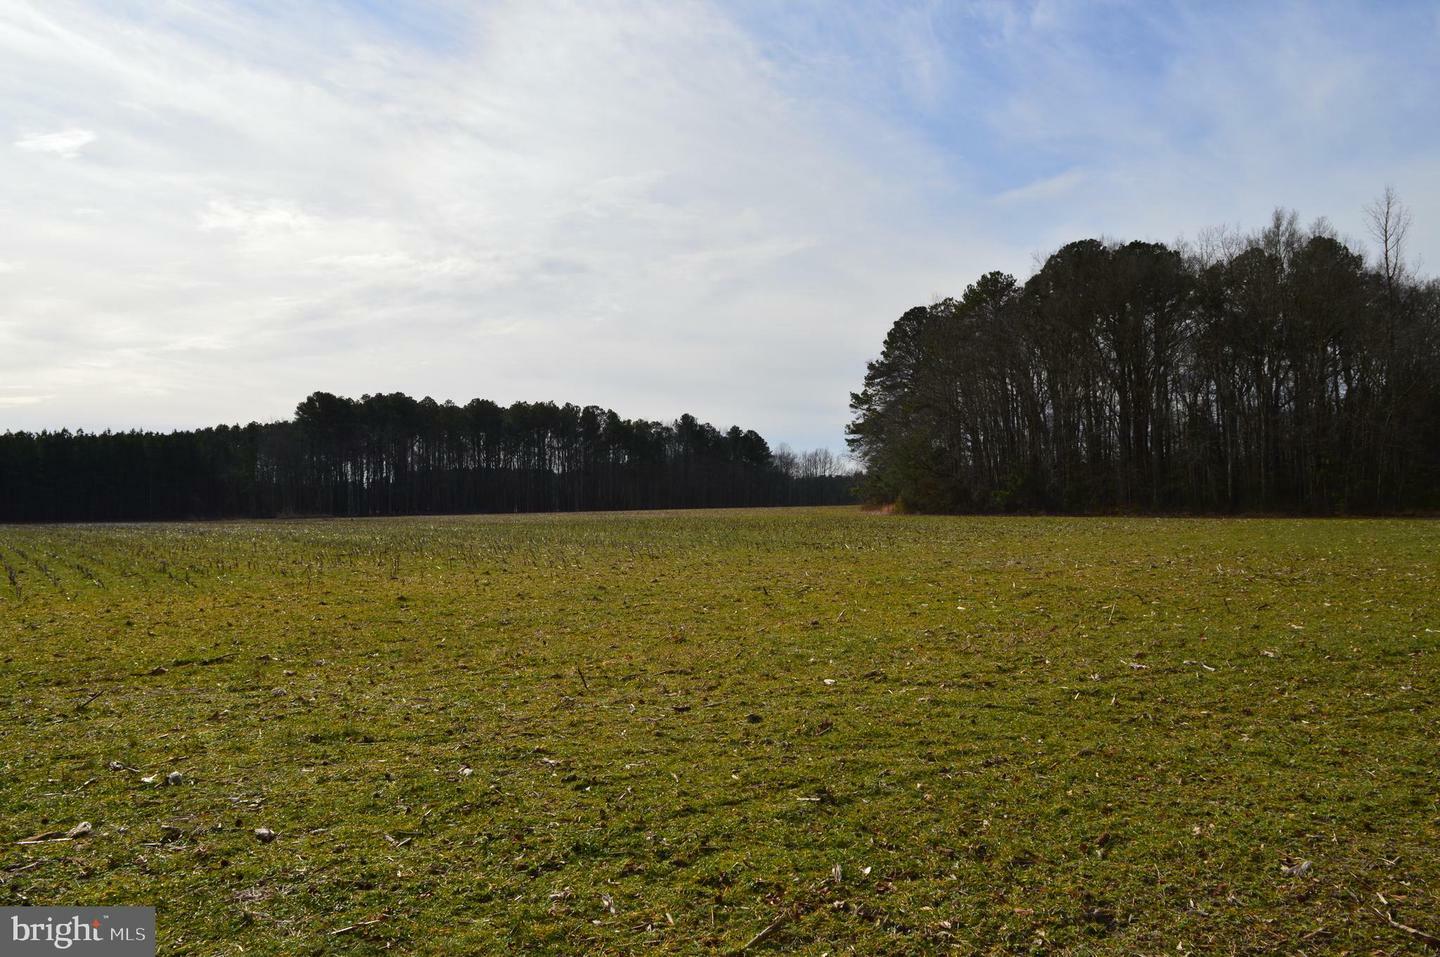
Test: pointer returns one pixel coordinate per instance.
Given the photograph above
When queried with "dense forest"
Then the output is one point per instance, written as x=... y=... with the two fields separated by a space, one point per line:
x=1278 y=371
x=394 y=455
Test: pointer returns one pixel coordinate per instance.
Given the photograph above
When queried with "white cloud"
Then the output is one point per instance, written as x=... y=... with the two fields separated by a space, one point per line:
x=252 y=218
x=655 y=206
x=66 y=143
x=1049 y=188
x=12 y=401
x=588 y=202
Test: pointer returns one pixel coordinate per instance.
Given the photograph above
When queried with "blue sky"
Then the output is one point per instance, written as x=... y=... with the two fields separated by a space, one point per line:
x=213 y=209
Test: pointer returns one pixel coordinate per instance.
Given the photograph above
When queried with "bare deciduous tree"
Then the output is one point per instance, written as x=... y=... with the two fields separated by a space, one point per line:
x=1270 y=371
x=1389 y=225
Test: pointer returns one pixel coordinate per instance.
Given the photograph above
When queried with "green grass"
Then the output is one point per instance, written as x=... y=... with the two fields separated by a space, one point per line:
x=903 y=734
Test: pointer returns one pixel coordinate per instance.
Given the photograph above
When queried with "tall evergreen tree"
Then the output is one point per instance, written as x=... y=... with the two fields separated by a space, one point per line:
x=1283 y=374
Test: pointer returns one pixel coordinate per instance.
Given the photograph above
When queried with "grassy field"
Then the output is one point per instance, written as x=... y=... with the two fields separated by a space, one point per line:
x=672 y=732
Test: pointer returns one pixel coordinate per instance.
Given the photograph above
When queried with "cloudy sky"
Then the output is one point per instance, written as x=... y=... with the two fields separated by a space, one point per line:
x=209 y=210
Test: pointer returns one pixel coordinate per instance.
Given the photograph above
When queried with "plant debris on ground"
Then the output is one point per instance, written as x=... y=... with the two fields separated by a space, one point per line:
x=814 y=731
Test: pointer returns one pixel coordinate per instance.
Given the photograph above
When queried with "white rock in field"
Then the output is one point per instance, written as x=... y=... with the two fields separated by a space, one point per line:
x=174 y=779
x=264 y=835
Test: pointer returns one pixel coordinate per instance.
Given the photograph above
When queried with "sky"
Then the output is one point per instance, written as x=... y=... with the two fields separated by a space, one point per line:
x=210 y=210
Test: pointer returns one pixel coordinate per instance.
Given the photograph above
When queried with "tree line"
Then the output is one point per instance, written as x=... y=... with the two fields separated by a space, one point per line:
x=1275 y=371
x=394 y=455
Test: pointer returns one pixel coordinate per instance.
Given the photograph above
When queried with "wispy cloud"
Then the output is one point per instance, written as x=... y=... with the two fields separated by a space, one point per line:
x=13 y=401
x=66 y=144
x=253 y=218
x=703 y=206
x=1049 y=188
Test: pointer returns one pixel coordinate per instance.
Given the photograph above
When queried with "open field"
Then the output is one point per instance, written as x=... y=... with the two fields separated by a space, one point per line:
x=667 y=732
